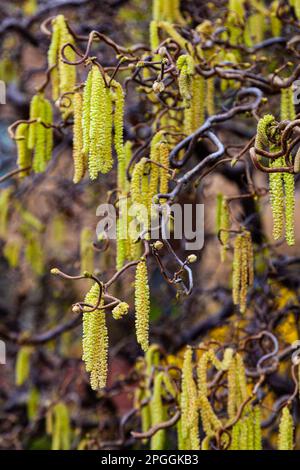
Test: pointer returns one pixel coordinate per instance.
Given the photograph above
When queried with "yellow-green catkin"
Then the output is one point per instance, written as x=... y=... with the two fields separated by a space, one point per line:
x=24 y=156
x=188 y=428
x=235 y=20
x=86 y=105
x=40 y=132
x=33 y=402
x=186 y=67
x=242 y=269
x=224 y=227
x=276 y=25
x=120 y=310
x=237 y=386
x=61 y=431
x=86 y=251
x=95 y=339
x=198 y=101
x=286 y=431
x=118 y=119
x=97 y=124
x=157 y=412
x=142 y=304
x=210 y=421
x=63 y=76
x=288 y=113
x=210 y=96
x=296 y=5
x=254 y=29
x=23 y=365
x=4 y=208
x=79 y=159
x=166 y=10
x=164 y=169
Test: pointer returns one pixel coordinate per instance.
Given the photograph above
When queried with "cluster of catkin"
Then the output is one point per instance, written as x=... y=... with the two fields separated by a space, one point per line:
x=242 y=269
x=63 y=76
x=281 y=184
x=95 y=112
x=95 y=335
x=34 y=139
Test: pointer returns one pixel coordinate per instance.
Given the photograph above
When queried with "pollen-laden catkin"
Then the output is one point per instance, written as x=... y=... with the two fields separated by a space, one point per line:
x=142 y=305
x=198 y=101
x=40 y=133
x=287 y=107
x=154 y=169
x=288 y=113
x=120 y=310
x=164 y=169
x=286 y=430
x=189 y=422
x=242 y=269
x=63 y=76
x=100 y=127
x=118 y=134
x=289 y=189
x=276 y=25
x=23 y=365
x=24 y=156
x=86 y=118
x=185 y=65
x=224 y=227
x=78 y=154
x=263 y=127
x=139 y=192
x=210 y=96
x=95 y=339
x=277 y=199
x=157 y=412
x=97 y=123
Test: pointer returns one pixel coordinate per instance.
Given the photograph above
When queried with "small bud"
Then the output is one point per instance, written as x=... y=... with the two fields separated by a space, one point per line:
x=191 y=258
x=54 y=271
x=162 y=51
x=87 y=274
x=158 y=245
x=76 y=308
x=158 y=87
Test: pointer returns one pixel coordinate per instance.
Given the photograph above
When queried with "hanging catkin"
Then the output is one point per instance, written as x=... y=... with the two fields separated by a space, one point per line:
x=63 y=76
x=188 y=432
x=24 y=156
x=40 y=133
x=157 y=412
x=286 y=430
x=288 y=113
x=60 y=428
x=97 y=123
x=78 y=154
x=242 y=269
x=142 y=304
x=95 y=340
x=224 y=226
x=23 y=365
